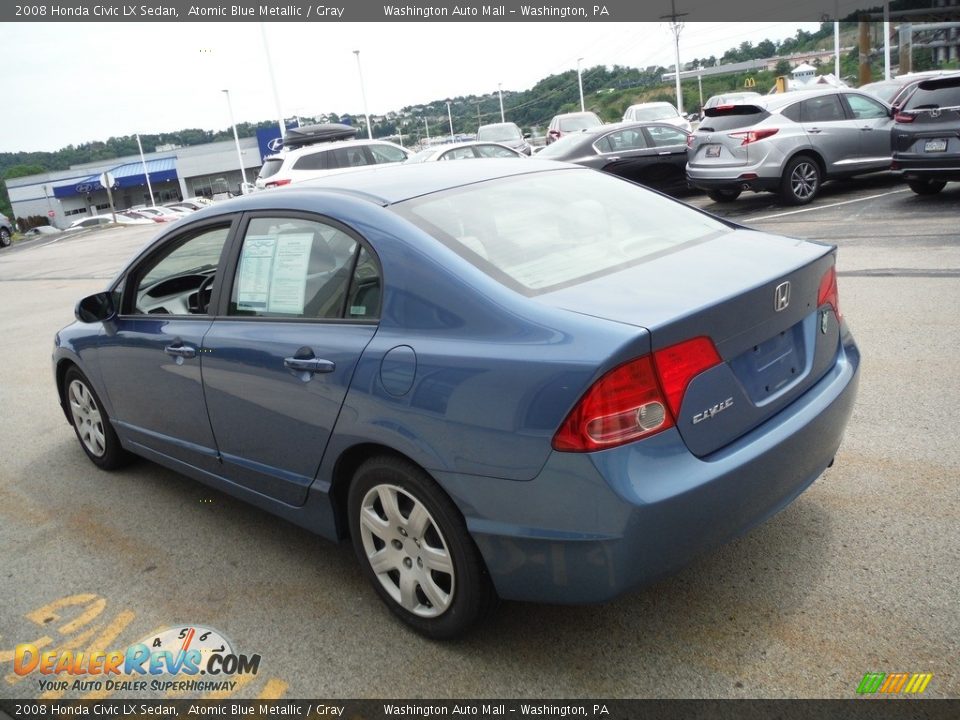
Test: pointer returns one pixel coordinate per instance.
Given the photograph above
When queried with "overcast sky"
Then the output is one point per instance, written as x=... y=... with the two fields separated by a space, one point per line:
x=69 y=83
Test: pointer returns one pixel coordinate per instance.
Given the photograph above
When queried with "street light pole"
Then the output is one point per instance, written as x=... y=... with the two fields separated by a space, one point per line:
x=580 y=83
x=273 y=82
x=363 y=94
x=676 y=26
x=450 y=119
x=145 y=173
x=426 y=125
x=236 y=140
x=500 y=93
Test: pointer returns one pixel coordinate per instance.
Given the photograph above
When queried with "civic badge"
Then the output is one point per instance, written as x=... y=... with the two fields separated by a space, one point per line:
x=781 y=296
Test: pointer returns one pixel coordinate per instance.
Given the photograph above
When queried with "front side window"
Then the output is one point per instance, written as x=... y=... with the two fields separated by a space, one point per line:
x=865 y=108
x=180 y=281
x=387 y=154
x=294 y=268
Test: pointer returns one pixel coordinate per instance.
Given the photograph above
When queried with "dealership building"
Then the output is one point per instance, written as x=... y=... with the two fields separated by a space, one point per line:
x=174 y=173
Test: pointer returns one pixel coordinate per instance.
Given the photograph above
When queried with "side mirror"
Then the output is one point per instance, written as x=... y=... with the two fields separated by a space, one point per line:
x=95 y=308
x=527 y=136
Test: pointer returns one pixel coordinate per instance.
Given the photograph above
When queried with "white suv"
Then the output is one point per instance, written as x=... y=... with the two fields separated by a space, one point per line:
x=313 y=161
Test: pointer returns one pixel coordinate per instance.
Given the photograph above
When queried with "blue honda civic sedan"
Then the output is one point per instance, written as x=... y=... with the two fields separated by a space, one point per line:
x=529 y=381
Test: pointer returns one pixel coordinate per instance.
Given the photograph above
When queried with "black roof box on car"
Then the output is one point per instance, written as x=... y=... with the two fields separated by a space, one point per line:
x=322 y=132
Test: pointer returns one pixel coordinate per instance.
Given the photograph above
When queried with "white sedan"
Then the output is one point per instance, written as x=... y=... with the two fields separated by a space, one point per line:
x=465 y=151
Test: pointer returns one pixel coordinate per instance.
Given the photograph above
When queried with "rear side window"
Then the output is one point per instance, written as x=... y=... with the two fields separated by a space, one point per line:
x=293 y=268
x=824 y=108
x=732 y=118
x=945 y=96
x=313 y=161
x=354 y=156
x=625 y=140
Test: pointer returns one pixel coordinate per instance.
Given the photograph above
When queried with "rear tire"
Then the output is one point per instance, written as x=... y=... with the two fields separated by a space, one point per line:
x=801 y=181
x=414 y=548
x=723 y=196
x=91 y=423
x=926 y=187
x=5 y=237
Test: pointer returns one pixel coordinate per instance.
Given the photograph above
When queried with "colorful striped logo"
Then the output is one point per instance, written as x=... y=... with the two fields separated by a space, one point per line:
x=892 y=683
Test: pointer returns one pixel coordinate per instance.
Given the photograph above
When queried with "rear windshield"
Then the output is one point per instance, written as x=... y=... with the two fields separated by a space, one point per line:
x=731 y=118
x=944 y=96
x=499 y=133
x=652 y=113
x=541 y=231
x=560 y=148
x=581 y=122
x=271 y=166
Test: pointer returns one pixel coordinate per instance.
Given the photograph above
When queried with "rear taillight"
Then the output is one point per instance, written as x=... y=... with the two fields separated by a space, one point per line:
x=678 y=364
x=904 y=118
x=276 y=183
x=636 y=399
x=751 y=136
x=828 y=294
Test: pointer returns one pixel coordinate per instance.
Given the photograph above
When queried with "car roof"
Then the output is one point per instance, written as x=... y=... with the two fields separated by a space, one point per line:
x=395 y=182
x=320 y=147
x=658 y=103
x=575 y=114
x=500 y=124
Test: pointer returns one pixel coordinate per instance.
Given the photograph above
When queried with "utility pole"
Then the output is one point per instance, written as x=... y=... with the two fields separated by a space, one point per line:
x=676 y=26
x=864 y=70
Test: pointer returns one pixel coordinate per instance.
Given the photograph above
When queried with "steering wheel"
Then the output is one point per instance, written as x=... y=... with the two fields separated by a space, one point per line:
x=201 y=305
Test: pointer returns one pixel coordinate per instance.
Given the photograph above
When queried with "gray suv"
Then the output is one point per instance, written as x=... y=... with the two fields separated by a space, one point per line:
x=6 y=230
x=788 y=143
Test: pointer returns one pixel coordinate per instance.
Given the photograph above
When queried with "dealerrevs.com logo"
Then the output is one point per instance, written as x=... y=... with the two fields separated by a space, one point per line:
x=171 y=660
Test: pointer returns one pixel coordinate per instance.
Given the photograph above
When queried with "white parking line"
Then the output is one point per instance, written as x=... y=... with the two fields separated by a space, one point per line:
x=824 y=207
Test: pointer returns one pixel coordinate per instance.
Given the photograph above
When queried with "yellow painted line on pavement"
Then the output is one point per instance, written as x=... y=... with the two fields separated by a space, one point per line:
x=275 y=689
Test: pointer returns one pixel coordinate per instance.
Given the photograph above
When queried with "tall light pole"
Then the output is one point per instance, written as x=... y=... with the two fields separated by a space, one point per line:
x=146 y=174
x=580 y=83
x=700 y=85
x=450 y=119
x=676 y=26
x=427 y=126
x=500 y=93
x=236 y=140
x=363 y=94
x=273 y=82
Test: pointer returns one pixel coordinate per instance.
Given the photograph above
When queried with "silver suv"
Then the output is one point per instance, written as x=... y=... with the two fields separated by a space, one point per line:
x=6 y=230
x=789 y=143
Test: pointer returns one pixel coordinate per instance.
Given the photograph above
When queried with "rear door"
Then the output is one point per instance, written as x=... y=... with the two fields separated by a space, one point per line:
x=301 y=305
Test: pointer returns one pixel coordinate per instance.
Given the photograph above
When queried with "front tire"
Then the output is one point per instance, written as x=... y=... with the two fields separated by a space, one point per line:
x=91 y=423
x=5 y=237
x=414 y=548
x=801 y=181
x=926 y=187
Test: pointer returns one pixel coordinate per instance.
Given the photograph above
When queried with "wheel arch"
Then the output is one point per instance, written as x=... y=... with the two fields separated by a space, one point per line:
x=814 y=155
x=62 y=368
x=344 y=470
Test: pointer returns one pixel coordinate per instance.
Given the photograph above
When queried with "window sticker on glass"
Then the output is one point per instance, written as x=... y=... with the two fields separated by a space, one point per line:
x=253 y=283
x=288 y=281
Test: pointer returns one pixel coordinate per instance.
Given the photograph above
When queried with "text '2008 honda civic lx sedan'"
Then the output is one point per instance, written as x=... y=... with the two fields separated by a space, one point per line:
x=538 y=383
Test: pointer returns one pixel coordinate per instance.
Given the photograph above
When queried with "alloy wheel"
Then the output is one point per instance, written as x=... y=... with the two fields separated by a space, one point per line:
x=804 y=180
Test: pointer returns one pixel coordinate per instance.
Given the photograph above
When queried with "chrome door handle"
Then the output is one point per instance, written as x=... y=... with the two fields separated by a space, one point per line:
x=815 y=131
x=663 y=152
x=309 y=365
x=181 y=351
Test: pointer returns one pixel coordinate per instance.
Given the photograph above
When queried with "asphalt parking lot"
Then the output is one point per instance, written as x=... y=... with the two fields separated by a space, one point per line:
x=860 y=574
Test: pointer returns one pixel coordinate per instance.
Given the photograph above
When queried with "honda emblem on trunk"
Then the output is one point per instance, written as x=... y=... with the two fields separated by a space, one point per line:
x=781 y=296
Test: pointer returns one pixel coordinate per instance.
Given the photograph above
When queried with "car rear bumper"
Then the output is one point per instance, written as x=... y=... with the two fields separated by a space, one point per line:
x=756 y=184
x=591 y=526
x=925 y=167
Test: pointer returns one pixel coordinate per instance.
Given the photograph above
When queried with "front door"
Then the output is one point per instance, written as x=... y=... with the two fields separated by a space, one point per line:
x=151 y=352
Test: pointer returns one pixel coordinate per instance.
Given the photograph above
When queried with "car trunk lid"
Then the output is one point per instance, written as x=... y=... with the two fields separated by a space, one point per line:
x=757 y=299
x=712 y=143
